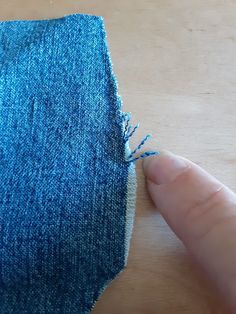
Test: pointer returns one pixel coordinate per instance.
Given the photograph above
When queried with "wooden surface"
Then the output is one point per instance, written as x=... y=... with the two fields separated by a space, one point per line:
x=176 y=66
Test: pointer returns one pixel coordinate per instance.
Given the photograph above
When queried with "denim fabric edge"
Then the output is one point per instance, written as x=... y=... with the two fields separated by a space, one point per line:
x=130 y=214
x=52 y=18
x=131 y=180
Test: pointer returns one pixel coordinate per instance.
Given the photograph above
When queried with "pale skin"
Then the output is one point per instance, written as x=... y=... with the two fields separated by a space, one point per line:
x=202 y=213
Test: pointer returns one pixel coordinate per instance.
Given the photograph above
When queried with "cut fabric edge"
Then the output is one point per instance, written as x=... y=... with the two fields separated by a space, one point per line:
x=131 y=179
x=130 y=215
x=59 y=17
x=130 y=158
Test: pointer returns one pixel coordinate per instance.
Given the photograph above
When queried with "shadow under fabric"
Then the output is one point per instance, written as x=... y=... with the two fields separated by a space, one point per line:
x=66 y=189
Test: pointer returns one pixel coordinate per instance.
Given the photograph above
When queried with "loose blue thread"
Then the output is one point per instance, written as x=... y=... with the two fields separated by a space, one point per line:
x=126 y=117
x=146 y=138
x=144 y=155
x=128 y=133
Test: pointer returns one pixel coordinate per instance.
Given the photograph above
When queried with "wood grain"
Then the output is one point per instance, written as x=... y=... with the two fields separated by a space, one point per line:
x=176 y=66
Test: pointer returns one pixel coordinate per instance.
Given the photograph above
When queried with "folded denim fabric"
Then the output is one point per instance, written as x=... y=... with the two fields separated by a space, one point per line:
x=66 y=187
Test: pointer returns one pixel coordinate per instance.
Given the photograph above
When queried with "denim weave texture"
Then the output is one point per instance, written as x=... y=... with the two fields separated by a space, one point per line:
x=63 y=174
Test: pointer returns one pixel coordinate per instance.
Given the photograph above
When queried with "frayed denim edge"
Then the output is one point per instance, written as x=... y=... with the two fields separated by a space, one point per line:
x=131 y=180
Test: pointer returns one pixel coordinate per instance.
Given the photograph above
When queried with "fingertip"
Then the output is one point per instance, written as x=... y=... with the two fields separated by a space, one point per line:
x=164 y=168
x=201 y=211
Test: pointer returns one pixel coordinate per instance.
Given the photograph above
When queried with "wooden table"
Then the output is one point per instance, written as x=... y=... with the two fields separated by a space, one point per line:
x=176 y=66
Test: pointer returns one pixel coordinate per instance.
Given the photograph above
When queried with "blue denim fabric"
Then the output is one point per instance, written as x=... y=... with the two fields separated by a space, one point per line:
x=63 y=173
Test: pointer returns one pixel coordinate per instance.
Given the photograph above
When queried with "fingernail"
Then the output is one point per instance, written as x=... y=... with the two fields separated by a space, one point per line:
x=164 y=168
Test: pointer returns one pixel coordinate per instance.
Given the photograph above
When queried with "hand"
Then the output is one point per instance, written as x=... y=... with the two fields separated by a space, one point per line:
x=202 y=213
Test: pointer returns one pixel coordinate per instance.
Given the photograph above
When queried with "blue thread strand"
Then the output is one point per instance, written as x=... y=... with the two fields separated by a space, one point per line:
x=129 y=129
x=144 y=155
x=147 y=137
x=126 y=137
x=130 y=134
x=127 y=119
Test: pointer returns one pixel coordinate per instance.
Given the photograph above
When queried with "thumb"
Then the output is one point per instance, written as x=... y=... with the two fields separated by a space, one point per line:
x=202 y=213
